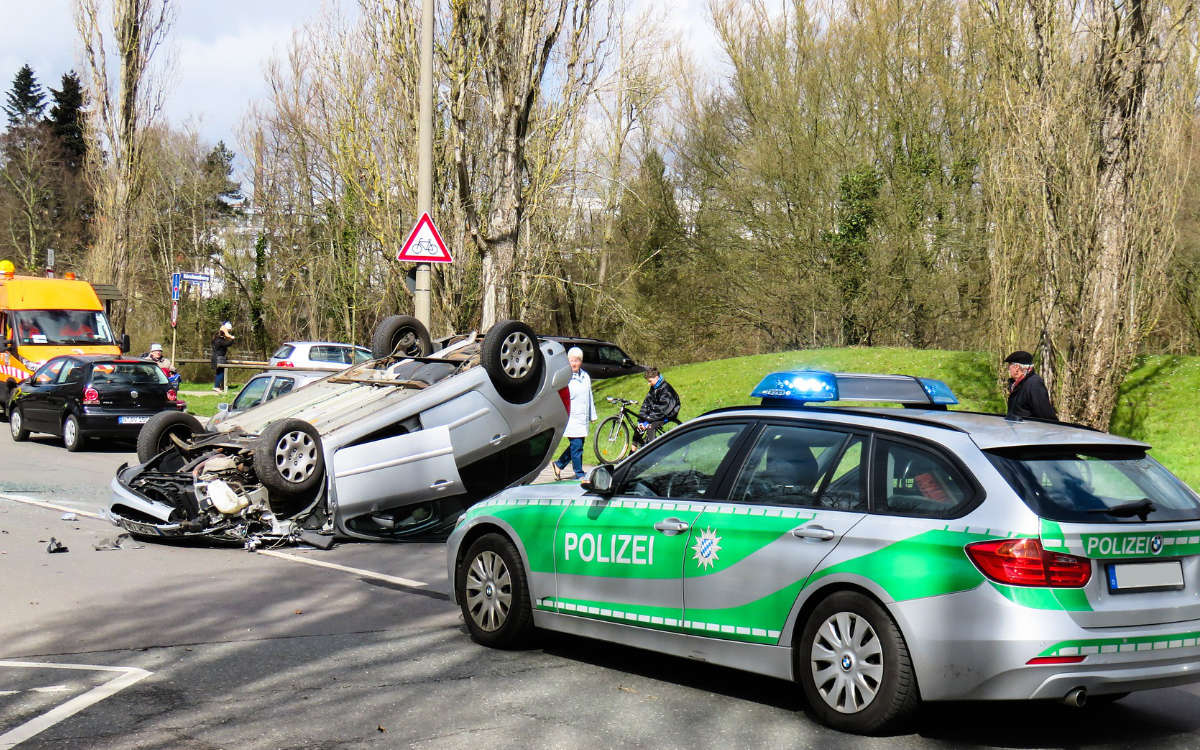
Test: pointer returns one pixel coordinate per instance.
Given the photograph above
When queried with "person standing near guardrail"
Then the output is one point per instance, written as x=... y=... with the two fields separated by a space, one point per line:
x=220 y=353
x=583 y=412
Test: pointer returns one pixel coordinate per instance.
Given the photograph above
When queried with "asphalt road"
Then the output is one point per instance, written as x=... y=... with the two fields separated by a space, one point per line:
x=190 y=646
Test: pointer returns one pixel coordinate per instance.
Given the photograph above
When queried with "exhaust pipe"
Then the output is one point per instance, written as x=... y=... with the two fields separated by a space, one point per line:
x=1077 y=698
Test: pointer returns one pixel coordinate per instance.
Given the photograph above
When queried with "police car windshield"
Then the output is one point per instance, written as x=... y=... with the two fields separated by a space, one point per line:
x=62 y=328
x=1094 y=486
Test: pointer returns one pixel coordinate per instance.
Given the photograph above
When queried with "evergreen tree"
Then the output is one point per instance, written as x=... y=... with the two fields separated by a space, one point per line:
x=26 y=102
x=218 y=168
x=66 y=118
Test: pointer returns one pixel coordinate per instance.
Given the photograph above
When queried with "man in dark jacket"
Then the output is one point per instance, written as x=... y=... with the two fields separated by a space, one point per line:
x=660 y=406
x=1027 y=395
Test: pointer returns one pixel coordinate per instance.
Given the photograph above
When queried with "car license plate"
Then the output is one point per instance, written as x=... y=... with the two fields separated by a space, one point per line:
x=140 y=528
x=132 y=420
x=1134 y=577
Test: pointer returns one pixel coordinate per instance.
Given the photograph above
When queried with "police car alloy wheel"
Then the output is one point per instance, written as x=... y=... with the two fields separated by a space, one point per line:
x=854 y=666
x=493 y=593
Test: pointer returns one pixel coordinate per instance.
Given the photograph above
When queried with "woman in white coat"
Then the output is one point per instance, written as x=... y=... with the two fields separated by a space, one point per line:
x=583 y=412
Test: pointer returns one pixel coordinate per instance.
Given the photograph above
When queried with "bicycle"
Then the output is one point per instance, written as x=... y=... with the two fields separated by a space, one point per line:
x=613 y=438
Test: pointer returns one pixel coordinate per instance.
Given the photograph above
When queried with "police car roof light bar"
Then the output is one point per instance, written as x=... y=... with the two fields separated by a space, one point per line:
x=798 y=387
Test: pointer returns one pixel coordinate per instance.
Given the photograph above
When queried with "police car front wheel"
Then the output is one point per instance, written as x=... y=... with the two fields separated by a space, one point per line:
x=493 y=593
x=854 y=666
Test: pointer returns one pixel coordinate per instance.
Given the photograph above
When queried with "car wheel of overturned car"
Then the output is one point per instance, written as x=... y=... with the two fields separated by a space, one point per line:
x=854 y=666
x=288 y=459
x=494 y=593
x=73 y=439
x=16 y=425
x=402 y=335
x=513 y=361
x=155 y=435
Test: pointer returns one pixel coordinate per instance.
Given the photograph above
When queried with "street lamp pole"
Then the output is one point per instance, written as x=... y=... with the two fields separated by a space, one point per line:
x=422 y=294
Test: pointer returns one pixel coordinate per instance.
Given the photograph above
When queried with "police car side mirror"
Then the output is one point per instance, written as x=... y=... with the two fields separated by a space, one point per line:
x=627 y=362
x=600 y=480
x=223 y=406
x=125 y=343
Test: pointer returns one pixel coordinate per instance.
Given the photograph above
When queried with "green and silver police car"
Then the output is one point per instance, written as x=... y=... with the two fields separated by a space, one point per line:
x=880 y=557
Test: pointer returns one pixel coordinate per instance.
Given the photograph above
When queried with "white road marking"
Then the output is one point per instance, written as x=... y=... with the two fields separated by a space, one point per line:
x=271 y=553
x=344 y=568
x=127 y=676
x=51 y=506
x=52 y=689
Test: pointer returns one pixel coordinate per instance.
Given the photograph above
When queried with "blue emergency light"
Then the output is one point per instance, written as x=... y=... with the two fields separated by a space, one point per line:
x=798 y=387
x=939 y=392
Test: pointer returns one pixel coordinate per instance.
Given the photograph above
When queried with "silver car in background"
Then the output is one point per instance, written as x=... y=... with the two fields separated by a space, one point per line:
x=391 y=448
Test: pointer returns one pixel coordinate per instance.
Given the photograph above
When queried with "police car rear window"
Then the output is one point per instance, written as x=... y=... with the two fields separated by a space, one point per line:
x=1095 y=485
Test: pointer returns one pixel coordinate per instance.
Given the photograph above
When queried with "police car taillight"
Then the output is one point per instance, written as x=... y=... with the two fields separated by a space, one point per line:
x=171 y=395
x=565 y=395
x=91 y=396
x=1023 y=562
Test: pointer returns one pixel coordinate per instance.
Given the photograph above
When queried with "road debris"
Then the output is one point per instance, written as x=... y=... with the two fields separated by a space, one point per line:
x=69 y=517
x=56 y=546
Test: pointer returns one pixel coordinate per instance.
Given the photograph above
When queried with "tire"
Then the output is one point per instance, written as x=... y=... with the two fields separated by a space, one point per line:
x=493 y=593
x=155 y=435
x=73 y=437
x=288 y=459
x=611 y=440
x=402 y=335
x=16 y=425
x=513 y=360
x=849 y=635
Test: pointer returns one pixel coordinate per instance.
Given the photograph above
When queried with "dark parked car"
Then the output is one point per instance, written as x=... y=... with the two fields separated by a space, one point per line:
x=85 y=396
x=601 y=359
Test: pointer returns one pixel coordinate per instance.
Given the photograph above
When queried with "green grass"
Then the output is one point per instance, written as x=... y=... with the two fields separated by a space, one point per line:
x=1159 y=403
x=206 y=405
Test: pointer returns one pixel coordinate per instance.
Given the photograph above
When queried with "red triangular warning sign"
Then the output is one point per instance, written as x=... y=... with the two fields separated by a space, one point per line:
x=424 y=244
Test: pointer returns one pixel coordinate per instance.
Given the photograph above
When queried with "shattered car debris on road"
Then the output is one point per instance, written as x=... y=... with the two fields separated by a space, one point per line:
x=395 y=447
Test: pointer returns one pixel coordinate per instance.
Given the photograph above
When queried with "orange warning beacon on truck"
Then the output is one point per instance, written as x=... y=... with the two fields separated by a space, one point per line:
x=44 y=318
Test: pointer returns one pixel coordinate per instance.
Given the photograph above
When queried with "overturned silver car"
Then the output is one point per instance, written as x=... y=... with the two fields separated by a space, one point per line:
x=392 y=448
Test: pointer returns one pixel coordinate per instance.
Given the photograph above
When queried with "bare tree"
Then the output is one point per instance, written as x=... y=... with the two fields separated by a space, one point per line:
x=122 y=110
x=498 y=59
x=1092 y=106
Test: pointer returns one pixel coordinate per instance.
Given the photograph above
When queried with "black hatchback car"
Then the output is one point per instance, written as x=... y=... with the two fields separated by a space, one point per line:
x=601 y=359
x=80 y=397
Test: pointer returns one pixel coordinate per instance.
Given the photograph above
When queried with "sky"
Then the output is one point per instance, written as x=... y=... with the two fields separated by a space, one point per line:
x=220 y=49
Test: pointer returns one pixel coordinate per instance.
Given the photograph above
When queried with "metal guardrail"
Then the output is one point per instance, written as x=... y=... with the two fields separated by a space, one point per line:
x=249 y=364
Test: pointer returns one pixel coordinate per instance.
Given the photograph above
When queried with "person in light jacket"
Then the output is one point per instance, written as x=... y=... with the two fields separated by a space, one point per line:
x=583 y=412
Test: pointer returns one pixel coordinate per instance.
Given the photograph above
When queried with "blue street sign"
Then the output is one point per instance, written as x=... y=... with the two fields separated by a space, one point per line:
x=176 y=283
x=197 y=278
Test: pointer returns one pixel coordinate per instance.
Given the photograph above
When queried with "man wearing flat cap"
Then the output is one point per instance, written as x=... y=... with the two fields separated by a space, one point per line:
x=1027 y=395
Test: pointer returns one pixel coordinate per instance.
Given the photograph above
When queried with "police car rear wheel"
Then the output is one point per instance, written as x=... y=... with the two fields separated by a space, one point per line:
x=854 y=666
x=494 y=594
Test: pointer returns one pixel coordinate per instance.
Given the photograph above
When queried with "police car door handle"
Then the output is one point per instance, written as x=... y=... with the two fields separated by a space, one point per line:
x=813 y=532
x=671 y=526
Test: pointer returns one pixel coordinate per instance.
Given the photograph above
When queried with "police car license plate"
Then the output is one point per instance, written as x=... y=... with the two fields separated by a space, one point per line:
x=1155 y=576
x=132 y=420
